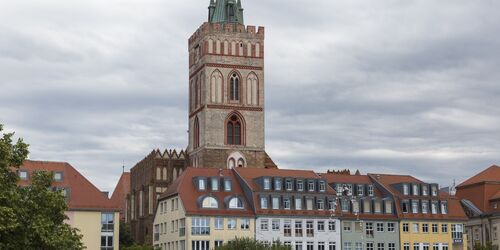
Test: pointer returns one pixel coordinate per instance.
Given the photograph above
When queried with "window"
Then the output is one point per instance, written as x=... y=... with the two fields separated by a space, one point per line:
x=234 y=91
x=321 y=245
x=332 y=226
x=215 y=184
x=415 y=190
x=264 y=225
x=275 y=225
x=298 y=245
x=416 y=246
x=457 y=231
x=345 y=205
x=321 y=226
x=332 y=245
x=332 y=205
x=369 y=246
x=348 y=246
x=218 y=243
x=406 y=246
x=23 y=174
x=359 y=246
x=425 y=190
x=369 y=229
x=300 y=185
x=444 y=246
x=235 y=203
x=58 y=176
x=196 y=135
x=406 y=190
x=415 y=228
x=434 y=228
x=355 y=206
x=199 y=245
x=277 y=184
x=106 y=242
x=377 y=207
x=276 y=203
x=231 y=224
x=406 y=228
x=444 y=207
x=425 y=207
x=434 y=190
x=310 y=228
x=310 y=246
x=289 y=185
x=210 y=202
x=444 y=228
x=425 y=246
x=234 y=131
x=227 y=185
x=405 y=207
x=380 y=246
x=298 y=203
x=414 y=207
x=264 y=203
x=286 y=203
x=157 y=232
x=380 y=227
x=182 y=227
x=321 y=205
x=391 y=227
x=287 y=228
x=361 y=190
x=200 y=226
x=310 y=186
x=370 y=190
x=219 y=223
x=347 y=226
x=309 y=204
x=298 y=228
x=338 y=188
x=392 y=246
x=434 y=207
x=267 y=184
x=107 y=222
x=425 y=228
x=322 y=186
x=201 y=184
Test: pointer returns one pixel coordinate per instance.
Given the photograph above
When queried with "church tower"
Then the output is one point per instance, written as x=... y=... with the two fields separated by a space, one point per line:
x=226 y=91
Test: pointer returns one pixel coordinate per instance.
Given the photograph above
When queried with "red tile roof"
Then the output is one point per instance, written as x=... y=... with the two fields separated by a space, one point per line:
x=249 y=174
x=121 y=191
x=496 y=196
x=83 y=195
x=491 y=174
x=189 y=194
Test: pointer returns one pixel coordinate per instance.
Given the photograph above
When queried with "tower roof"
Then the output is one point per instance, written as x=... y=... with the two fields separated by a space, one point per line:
x=225 y=11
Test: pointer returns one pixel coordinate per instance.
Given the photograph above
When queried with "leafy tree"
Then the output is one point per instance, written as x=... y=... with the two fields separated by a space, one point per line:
x=126 y=239
x=488 y=246
x=139 y=247
x=31 y=217
x=251 y=244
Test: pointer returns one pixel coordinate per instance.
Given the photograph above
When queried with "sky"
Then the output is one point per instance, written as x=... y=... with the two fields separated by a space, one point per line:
x=386 y=86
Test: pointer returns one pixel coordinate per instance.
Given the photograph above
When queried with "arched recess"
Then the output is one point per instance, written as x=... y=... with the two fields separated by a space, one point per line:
x=216 y=83
x=235 y=129
x=196 y=134
x=234 y=86
x=165 y=171
x=174 y=174
x=252 y=89
x=210 y=46
x=226 y=47
x=236 y=159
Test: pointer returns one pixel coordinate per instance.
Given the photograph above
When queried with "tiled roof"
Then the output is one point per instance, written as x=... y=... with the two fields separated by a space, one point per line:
x=121 y=191
x=189 y=194
x=83 y=195
x=343 y=178
x=249 y=174
x=490 y=174
x=496 y=196
x=455 y=210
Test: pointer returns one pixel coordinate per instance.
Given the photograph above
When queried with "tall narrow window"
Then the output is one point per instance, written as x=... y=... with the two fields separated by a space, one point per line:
x=251 y=89
x=196 y=133
x=234 y=88
x=234 y=131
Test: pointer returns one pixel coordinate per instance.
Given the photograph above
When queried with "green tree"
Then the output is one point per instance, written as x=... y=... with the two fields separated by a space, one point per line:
x=488 y=246
x=251 y=244
x=139 y=247
x=126 y=239
x=31 y=217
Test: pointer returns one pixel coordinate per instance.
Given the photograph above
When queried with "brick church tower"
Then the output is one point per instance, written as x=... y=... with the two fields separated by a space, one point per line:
x=226 y=91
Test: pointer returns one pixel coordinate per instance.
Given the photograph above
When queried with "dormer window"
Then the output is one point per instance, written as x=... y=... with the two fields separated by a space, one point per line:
x=378 y=207
x=415 y=190
x=289 y=185
x=345 y=206
x=425 y=190
x=414 y=206
x=58 y=176
x=444 y=207
x=267 y=184
x=215 y=184
x=264 y=203
x=300 y=185
x=425 y=207
x=388 y=207
x=406 y=190
x=322 y=186
x=201 y=184
x=355 y=206
x=434 y=190
x=405 y=206
x=321 y=204
x=309 y=204
x=277 y=184
x=209 y=202
x=23 y=175
x=338 y=188
x=310 y=186
x=332 y=205
x=361 y=190
x=276 y=203
x=286 y=203
x=298 y=203
x=370 y=190
x=367 y=206
x=227 y=185
x=235 y=203
x=349 y=189
x=434 y=207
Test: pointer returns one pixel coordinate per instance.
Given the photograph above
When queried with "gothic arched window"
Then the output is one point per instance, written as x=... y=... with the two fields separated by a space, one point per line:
x=234 y=91
x=234 y=130
x=196 y=135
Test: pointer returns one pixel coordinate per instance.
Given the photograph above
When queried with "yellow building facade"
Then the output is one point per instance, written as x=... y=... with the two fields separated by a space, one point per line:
x=432 y=235
x=90 y=226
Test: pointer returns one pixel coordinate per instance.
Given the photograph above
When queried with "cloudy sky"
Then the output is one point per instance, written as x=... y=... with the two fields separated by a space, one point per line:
x=387 y=86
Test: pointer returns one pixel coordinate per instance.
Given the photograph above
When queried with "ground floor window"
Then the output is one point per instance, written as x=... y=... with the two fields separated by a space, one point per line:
x=106 y=242
x=332 y=246
x=298 y=245
x=218 y=243
x=200 y=245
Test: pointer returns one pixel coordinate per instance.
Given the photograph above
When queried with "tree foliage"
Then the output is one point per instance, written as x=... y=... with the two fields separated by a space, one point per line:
x=31 y=217
x=251 y=244
x=126 y=239
x=488 y=246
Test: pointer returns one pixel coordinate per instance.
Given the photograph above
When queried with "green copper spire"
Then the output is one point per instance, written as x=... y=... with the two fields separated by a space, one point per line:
x=225 y=11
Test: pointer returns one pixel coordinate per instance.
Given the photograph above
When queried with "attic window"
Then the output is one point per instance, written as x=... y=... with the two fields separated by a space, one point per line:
x=370 y=190
x=201 y=184
x=227 y=185
x=58 y=176
x=23 y=175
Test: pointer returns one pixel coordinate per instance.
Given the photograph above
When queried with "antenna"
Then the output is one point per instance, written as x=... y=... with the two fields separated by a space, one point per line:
x=123 y=167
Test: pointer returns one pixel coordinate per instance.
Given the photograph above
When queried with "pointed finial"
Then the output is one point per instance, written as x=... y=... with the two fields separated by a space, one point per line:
x=123 y=167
